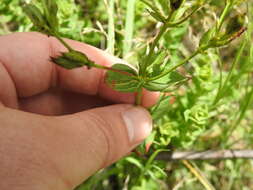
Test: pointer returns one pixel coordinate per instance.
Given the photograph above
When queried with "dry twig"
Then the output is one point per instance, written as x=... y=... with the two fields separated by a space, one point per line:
x=207 y=155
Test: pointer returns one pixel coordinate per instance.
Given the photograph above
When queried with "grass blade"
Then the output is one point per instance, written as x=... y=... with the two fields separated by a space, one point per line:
x=129 y=27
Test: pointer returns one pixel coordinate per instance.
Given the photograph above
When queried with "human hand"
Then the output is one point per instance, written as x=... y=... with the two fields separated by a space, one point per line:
x=54 y=131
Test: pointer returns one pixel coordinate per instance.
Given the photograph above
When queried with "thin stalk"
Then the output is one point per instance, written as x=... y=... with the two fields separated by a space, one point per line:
x=63 y=42
x=111 y=27
x=245 y=105
x=129 y=27
x=223 y=16
x=138 y=97
x=225 y=85
x=176 y=66
x=221 y=76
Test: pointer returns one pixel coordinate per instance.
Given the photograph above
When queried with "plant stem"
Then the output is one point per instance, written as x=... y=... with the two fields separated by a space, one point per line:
x=138 y=97
x=225 y=85
x=63 y=42
x=221 y=76
x=244 y=107
x=176 y=66
x=223 y=16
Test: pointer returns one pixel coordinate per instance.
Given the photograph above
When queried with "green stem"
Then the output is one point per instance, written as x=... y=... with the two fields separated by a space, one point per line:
x=244 y=107
x=176 y=66
x=223 y=16
x=221 y=77
x=225 y=85
x=138 y=98
x=63 y=42
x=161 y=33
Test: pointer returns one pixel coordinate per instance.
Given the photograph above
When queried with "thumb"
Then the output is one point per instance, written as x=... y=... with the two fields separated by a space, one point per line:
x=96 y=138
x=44 y=153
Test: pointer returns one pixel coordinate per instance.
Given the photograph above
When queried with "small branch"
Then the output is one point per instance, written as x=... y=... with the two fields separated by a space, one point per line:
x=207 y=155
x=178 y=65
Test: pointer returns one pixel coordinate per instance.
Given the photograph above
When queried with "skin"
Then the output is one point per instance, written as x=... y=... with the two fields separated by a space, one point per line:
x=58 y=127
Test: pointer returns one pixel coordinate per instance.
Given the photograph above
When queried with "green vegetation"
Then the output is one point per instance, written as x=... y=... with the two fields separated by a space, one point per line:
x=197 y=53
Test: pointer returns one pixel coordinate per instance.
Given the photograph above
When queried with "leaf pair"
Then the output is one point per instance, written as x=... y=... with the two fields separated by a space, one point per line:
x=165 y=83
x=127 y=80
x=123 y=78
x=168 y=5
x=155 y=12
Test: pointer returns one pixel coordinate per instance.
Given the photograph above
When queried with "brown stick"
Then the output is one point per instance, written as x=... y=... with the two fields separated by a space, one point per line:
x=207 y=155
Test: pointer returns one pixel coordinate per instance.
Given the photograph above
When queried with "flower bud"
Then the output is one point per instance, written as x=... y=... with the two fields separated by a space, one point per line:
x=235 y=24
x=72 y=60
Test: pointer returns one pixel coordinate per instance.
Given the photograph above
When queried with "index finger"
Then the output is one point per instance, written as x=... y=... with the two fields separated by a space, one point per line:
x=26 y=59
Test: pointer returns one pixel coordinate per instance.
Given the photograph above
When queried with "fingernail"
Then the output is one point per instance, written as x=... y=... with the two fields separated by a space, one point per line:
x=139 y=124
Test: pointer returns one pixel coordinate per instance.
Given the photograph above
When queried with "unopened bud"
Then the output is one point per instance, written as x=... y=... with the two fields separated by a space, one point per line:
x=72 y=60
x=235 y=24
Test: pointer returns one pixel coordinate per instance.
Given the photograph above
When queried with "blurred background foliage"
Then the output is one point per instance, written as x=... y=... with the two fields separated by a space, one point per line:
x=189 y=118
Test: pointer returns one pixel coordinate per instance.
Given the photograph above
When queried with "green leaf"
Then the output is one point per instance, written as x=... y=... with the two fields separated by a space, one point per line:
x=135 y=162
x=176 y=77
x=165 y=5
x=207 y=37
x=50 y=9
x=164 y=83
x=156 y=86
x=123 y=78
x=151 y=6
x=157 y=16
x=153 y=156
x=160 y=170
x=72 y=60
x=158 y=64
x=149 y=141
x=36 y=17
